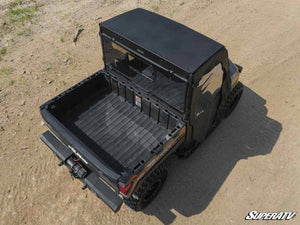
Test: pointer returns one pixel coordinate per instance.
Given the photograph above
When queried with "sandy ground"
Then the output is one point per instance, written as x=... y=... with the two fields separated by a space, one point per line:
x=250 y=162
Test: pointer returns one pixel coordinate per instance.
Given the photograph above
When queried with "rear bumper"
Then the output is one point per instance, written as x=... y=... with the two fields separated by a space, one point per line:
x=91 y=180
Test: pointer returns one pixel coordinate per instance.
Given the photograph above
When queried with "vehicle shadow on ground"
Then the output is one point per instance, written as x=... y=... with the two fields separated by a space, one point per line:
x=193 y=183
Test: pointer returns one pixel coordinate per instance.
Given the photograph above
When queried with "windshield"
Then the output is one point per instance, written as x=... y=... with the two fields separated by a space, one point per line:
x=154 y=80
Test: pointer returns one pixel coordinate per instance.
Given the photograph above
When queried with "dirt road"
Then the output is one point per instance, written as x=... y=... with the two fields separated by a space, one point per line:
x=250 y=162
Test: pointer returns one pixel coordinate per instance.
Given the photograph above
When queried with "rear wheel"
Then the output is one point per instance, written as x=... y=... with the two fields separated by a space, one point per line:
x=148 y=189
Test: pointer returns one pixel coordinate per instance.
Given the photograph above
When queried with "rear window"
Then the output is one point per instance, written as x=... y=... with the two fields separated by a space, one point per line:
x=152 y=79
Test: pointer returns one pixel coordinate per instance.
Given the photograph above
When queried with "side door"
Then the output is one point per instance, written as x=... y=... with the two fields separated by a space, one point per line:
x=206 y=99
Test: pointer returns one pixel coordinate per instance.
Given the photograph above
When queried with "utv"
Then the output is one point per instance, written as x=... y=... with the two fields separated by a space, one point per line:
x=163 y=88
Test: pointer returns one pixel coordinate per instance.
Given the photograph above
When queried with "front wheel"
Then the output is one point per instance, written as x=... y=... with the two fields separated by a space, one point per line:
x=185 y=151
x=148 y=189
x=231 y=102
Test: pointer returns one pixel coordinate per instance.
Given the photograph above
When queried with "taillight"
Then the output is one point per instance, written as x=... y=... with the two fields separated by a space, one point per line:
x=124 y=190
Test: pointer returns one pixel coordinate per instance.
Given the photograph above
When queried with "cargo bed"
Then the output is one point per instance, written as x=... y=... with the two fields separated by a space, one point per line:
x=110 y=124
x=118 y=132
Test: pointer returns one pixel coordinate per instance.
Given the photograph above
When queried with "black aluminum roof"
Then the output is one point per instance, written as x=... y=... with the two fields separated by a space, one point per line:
x=174 y=42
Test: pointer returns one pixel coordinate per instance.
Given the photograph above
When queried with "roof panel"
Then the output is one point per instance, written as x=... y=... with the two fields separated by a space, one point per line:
x=168 y=39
